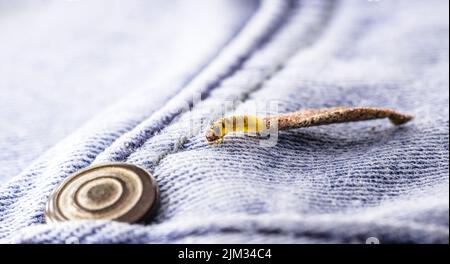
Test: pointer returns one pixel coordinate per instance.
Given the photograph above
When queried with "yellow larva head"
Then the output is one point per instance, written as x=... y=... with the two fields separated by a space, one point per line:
x=216 y=132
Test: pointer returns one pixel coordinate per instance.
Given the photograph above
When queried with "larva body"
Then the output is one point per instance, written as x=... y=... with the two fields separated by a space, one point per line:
x=244 y=123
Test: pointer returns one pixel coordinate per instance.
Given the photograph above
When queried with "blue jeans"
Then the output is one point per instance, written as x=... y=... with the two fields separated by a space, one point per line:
x=342 y=183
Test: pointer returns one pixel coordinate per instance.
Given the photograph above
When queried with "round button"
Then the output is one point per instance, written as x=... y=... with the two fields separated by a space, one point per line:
x=112 y=191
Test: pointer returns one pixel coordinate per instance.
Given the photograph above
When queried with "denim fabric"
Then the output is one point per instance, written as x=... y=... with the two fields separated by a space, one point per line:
x=339 y=183
x=64 y=61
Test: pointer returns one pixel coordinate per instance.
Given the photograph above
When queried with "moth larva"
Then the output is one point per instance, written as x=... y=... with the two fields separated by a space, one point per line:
x=303 y=118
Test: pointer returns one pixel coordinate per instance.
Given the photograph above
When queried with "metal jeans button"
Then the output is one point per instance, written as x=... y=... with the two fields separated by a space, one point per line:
x=112 y=191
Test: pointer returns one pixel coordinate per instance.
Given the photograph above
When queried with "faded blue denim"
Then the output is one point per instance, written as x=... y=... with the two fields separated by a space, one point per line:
x=341 y=183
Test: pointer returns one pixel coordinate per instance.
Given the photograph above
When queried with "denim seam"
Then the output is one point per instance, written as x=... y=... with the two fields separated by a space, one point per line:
x=259 y=86
x=263 y=38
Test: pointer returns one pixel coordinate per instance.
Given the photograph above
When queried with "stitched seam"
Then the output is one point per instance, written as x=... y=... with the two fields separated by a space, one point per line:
x=181 y=141
x=261 y=39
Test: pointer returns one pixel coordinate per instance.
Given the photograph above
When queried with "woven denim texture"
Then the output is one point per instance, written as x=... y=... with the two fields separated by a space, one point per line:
x=332 y=184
